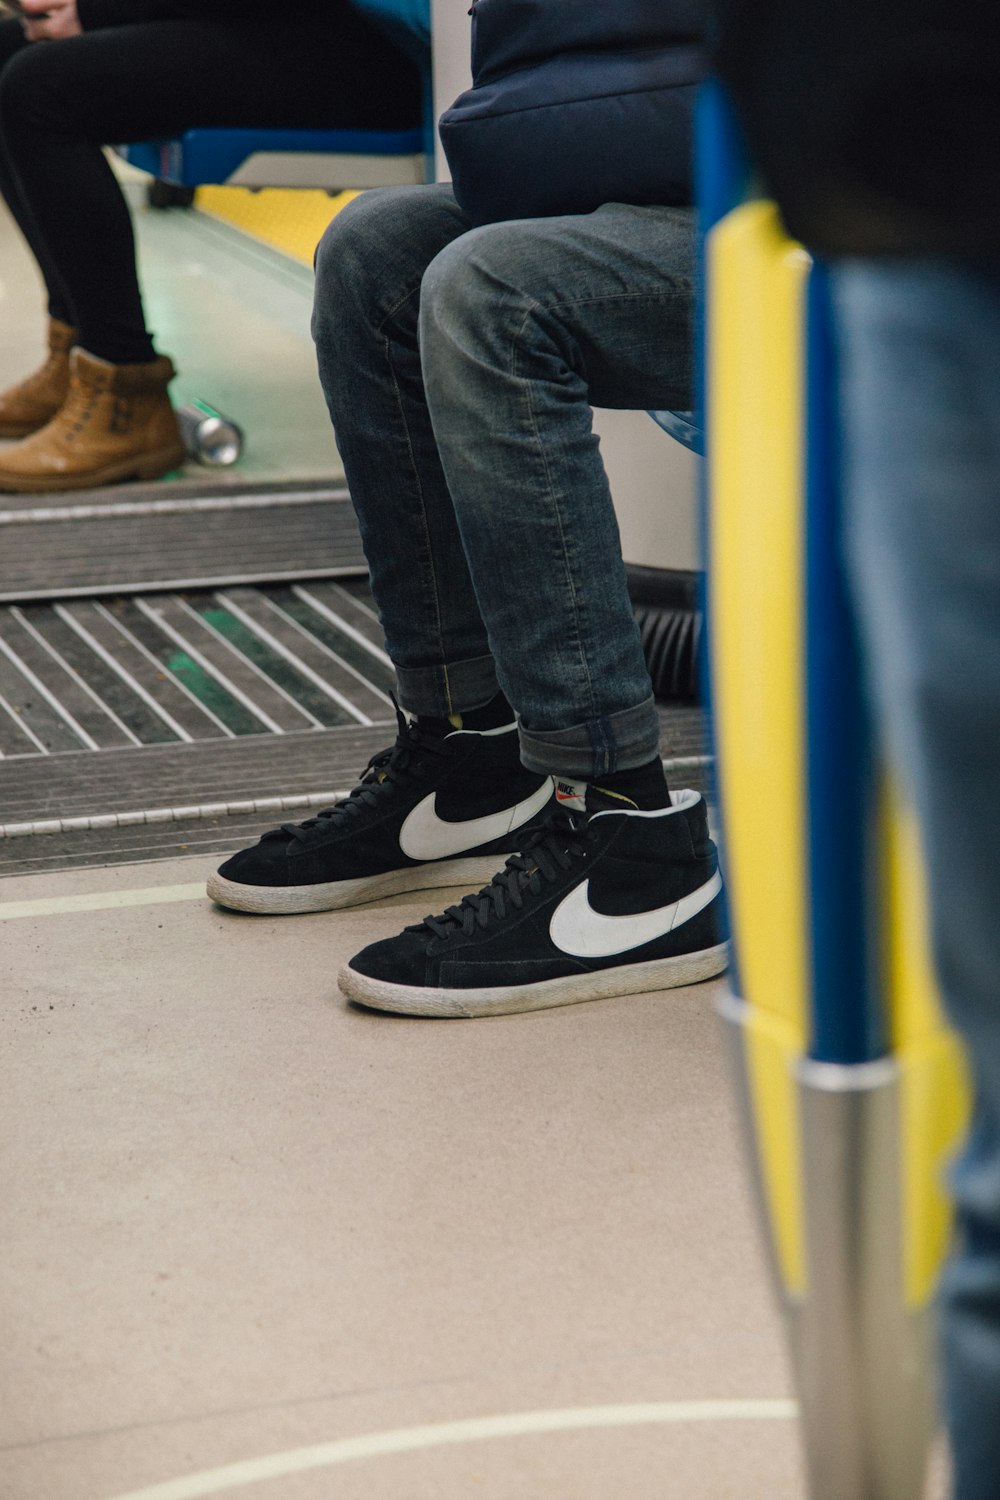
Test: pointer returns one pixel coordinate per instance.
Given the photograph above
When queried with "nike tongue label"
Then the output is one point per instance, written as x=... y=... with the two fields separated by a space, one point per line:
x=577 y=929
x=572 y=794
x=426 y=836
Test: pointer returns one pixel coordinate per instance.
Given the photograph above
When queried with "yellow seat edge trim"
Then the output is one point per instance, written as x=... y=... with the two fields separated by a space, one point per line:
x=756 y=279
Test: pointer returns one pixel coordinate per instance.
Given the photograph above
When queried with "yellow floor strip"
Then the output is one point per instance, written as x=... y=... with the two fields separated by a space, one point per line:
x=291 y=220
x=53 y=906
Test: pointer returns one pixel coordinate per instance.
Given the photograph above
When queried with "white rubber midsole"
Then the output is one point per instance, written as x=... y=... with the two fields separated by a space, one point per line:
x=603 y=984
x=281 y=900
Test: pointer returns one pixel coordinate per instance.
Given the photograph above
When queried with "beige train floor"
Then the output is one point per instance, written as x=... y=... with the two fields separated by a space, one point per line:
x=244 y=1217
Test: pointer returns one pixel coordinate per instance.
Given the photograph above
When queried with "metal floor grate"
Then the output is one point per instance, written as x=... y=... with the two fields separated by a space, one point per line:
x=161 y=668
x=140 y=726
x=135 y=727
x=136 y=538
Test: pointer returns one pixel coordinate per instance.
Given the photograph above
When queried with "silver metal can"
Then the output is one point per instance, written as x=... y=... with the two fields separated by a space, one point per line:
x=209 y=437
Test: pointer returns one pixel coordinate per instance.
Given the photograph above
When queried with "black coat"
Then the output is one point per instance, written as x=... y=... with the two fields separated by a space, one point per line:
x=97 y=14
x=875 y=123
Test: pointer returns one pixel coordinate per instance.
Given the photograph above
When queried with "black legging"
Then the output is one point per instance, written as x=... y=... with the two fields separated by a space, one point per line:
x=62 y=101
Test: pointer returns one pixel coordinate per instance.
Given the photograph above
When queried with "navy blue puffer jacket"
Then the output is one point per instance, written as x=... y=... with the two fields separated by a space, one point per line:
x=576 y=103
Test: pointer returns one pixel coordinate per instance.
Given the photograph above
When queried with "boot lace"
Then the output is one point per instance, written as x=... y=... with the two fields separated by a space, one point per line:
x=550 y=848
x=387 y=770
x=81 y=401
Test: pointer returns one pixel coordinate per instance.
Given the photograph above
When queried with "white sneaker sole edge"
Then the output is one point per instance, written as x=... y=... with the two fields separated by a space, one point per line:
x=603 y=984
x=283 y=901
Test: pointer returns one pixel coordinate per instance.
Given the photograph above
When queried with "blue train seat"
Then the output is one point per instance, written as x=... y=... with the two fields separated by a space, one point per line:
x=331 y=159
x=683 y=426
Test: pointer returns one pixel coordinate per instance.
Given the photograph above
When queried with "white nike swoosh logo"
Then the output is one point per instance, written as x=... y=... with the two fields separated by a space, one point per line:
x=426 y=836
x=577 y=929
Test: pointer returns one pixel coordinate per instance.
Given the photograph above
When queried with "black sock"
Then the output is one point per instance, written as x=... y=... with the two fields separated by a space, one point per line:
x=646 y=785
x=492 y=715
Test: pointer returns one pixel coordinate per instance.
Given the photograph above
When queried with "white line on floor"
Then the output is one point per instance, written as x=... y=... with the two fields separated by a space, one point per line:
x=51 y=906
x=411 y=1439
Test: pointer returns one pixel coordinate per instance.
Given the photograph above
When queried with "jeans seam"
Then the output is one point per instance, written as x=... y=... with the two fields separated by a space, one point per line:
x=429 y=568
x=670 y=294
x=513 y=368
x=602 y=744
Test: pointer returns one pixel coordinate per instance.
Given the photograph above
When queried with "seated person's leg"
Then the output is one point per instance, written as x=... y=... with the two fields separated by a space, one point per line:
x=369 y=268
x=116 y=421
x=61 y=101
x=462 y=752
x=522 y=326
x=34 y=400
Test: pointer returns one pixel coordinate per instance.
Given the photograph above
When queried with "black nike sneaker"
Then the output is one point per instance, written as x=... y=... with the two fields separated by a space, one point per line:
x=606 y=901
x=432 y=810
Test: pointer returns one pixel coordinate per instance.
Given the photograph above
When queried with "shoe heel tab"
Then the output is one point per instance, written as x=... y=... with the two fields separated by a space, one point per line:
x=683 y=799
x=483 y=734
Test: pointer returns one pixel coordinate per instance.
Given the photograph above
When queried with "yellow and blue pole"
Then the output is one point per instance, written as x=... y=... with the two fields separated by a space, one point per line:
x=853 y=1088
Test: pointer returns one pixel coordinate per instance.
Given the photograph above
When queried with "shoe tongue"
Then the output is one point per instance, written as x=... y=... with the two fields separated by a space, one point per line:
x=585 y=797
x=572 y=795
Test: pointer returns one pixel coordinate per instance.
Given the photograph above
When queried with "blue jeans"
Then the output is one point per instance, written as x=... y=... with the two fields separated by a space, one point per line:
x=921 y=391
x=459 y=367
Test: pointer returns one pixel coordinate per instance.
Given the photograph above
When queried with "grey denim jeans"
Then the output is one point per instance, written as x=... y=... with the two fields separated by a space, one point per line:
x=920 y=372
x=460 y=366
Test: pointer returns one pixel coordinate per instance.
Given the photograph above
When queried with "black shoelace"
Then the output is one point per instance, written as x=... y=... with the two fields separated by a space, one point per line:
x=550 y=848
x=384 y=772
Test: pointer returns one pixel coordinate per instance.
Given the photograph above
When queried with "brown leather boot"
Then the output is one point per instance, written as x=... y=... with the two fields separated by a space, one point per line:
x=116 y=423
x=35 y=400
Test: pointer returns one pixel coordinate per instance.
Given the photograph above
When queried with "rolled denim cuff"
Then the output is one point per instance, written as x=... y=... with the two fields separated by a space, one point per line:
x=452 y=688
x=617 y=742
